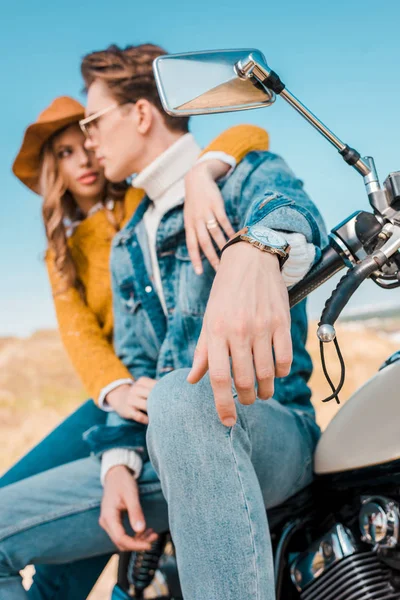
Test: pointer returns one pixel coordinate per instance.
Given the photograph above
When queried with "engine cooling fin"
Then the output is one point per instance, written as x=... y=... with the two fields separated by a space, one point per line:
x=356 y=577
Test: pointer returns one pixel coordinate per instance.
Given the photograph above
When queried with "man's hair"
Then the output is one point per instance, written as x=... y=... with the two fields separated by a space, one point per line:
x=129 y=76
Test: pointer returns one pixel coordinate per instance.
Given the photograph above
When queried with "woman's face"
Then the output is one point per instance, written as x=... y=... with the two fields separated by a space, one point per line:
x=81 y=172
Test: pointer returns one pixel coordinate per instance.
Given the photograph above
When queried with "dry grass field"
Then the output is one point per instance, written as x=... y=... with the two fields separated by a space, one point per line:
x=38 y=388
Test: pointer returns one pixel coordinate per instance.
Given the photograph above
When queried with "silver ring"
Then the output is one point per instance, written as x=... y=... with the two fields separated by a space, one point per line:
x=211 y=224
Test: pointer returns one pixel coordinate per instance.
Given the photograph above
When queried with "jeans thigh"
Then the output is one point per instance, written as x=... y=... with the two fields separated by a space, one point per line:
x=283 y=442
x=63 y=445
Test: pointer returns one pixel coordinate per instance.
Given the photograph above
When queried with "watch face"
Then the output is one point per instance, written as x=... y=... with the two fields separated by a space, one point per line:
x=269 y=237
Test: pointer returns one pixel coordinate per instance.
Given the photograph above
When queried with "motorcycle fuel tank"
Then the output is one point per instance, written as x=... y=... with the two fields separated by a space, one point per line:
x=366 y=430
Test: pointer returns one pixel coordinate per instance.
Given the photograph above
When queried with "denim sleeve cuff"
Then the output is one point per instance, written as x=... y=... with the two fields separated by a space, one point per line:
x=101 y=438
x=277 y=211
x=120 y=456
x=102 y=400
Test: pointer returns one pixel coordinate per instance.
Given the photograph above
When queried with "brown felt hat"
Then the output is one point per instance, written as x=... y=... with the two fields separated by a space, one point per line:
x=63 y=111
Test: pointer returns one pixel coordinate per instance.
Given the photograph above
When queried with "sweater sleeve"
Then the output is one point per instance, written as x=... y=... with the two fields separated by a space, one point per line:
x=238 y=141
x=89 y=350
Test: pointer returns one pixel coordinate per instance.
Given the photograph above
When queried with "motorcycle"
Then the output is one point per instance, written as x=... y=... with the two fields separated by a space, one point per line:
x=339 y=538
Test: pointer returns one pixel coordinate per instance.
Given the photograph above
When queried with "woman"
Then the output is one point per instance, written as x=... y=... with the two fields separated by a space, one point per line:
x=81 y=213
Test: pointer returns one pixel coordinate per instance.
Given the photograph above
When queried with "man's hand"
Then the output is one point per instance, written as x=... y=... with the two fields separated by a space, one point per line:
x=247 y=315
x=121 y=494
x=130 y=401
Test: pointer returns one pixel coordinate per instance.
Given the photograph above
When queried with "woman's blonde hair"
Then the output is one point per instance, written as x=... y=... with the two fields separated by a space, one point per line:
x=60 y=207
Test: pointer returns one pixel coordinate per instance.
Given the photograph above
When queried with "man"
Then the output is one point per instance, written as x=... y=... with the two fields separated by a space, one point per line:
x=222 y=454
x=216 y=475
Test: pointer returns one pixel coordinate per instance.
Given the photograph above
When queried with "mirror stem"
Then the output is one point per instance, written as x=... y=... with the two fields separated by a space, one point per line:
x=351 y=156
x=253 y=70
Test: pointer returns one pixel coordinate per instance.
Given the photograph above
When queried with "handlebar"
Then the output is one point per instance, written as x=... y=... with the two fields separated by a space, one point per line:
x=333 y=260
x=346 y=287
x=329 y=264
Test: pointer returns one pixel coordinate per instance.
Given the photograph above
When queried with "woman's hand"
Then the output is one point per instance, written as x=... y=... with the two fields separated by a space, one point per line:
x=204 y=212
x=130 y=401
x=121 y=495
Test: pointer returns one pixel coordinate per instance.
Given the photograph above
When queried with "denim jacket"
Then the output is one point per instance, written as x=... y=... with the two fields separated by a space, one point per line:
x=262 y=190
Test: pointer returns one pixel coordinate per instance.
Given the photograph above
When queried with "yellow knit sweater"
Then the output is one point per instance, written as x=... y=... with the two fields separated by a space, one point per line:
x=86 y=325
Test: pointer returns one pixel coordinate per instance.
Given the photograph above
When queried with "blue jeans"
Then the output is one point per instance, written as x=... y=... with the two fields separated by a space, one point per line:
x=217 y=482
x=64 y=444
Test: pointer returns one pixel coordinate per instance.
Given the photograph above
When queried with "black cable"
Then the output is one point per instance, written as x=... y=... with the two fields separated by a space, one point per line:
x=322 y=356
x=346 y=287
x=335 y=390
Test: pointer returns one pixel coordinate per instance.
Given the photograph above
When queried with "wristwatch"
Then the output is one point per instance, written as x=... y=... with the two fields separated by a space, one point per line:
x=263 y=238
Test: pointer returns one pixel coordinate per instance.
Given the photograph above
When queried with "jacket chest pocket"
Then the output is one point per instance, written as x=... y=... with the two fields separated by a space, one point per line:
x=193 y=290
x=140 y=326
x=128 y=298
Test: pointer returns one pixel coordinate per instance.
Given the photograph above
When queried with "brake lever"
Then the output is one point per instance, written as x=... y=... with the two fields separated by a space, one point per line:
x=392 y=232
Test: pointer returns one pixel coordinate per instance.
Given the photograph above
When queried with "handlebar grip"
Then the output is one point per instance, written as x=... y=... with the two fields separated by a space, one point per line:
x=346 y=287
x=329 y=264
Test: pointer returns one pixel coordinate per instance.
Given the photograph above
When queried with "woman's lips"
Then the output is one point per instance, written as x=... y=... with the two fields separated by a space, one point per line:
x=89 y=178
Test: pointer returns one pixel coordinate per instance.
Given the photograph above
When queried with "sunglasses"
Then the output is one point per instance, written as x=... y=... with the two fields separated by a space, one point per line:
x=89 y=124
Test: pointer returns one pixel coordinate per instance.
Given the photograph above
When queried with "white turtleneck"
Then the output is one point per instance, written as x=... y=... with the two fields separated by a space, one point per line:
x=163 y=182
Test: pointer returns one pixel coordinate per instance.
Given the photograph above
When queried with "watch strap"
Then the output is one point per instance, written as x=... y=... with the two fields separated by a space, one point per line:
x=241 y=236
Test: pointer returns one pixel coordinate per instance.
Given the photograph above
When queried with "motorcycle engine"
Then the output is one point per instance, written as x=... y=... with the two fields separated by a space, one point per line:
x=348 y=565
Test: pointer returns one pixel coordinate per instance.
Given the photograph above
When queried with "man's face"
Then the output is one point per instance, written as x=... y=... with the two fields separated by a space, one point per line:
x=113 y=136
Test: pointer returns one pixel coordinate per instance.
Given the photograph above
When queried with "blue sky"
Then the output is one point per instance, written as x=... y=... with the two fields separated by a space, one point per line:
x=340 y=58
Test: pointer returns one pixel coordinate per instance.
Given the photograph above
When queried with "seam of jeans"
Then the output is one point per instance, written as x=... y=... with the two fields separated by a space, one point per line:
x=257 y=596
x=75 y=509
x=48 y=518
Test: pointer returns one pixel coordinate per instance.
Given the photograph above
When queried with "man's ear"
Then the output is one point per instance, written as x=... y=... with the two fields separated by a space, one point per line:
x=144 y=115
